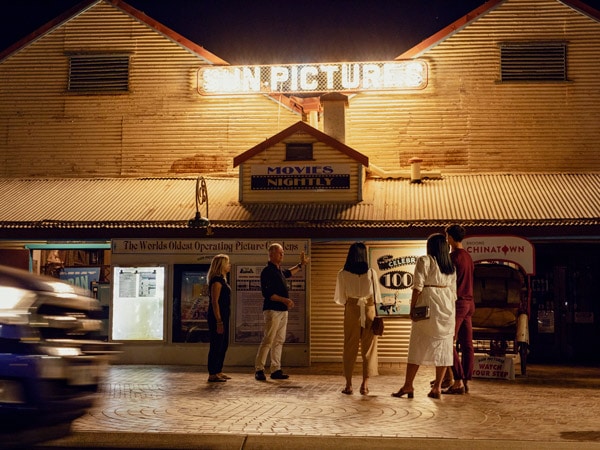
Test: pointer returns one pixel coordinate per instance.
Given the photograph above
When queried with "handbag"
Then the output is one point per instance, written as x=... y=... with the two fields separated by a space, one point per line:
x=377 y=324
x=420 y=313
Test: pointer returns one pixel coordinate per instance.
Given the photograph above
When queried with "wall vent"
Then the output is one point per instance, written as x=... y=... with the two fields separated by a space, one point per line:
x=534 y=61
x=98 y=73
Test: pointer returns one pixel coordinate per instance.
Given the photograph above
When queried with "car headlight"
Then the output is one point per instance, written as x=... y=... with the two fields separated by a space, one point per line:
x=13 y=298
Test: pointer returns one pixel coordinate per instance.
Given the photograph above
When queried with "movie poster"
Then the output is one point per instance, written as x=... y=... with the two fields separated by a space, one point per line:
x=395 y=266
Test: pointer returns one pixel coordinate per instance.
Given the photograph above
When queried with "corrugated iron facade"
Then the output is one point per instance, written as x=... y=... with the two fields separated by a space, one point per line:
x=466 y=120
x=514 y=157
x=161 y=127
x=493 y=200
x=327 y=317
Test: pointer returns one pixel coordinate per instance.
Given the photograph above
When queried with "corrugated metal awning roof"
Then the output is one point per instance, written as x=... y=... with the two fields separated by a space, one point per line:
x=169 y=203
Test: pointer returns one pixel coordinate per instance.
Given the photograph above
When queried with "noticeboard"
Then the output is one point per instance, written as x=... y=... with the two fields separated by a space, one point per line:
x=138 y=303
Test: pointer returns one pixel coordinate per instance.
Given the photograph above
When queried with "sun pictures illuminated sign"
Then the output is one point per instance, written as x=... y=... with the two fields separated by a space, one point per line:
x=313 y=78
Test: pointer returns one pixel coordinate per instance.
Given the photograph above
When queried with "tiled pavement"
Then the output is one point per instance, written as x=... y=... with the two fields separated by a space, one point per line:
x=553 y=406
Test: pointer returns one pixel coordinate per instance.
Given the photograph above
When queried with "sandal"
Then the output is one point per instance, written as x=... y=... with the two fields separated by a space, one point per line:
x=364 y=390
x=347 y=391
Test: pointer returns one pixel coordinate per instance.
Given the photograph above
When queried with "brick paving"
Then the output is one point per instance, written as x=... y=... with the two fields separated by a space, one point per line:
x=551 y=404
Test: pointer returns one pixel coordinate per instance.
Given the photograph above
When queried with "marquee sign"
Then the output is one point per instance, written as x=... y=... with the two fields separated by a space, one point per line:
x=313 y=78
x=331 y=176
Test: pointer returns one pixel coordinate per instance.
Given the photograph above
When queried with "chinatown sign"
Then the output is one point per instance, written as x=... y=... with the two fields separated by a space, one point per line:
x=313 y=78
x=513 y=249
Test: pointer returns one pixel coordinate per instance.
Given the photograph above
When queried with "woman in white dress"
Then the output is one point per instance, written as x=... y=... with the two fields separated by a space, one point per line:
x=357 y=289
x=431 y=340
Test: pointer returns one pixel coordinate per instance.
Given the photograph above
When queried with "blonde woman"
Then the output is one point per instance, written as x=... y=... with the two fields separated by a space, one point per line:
x=218 y=316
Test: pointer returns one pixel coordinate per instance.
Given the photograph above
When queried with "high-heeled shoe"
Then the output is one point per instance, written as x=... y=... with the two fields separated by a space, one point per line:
x=401 y=392
x=434 y=395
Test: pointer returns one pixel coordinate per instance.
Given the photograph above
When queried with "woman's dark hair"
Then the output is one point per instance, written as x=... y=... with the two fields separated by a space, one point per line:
x=438 y=247
x=356 y=261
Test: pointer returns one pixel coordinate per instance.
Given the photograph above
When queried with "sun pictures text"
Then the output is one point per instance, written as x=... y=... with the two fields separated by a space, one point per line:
x=306 y=78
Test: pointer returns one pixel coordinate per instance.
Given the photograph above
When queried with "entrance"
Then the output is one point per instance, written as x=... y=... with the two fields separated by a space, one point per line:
x=565 y=304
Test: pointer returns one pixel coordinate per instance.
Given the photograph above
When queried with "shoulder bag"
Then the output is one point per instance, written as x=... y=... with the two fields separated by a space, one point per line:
x=377 y=324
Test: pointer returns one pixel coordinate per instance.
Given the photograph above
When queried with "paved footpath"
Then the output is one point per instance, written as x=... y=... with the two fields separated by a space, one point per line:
x=174 y=407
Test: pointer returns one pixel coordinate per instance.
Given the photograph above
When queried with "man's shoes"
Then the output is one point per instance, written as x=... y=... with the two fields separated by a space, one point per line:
x=216 y=379
x=279 y=375
x=454 y=391
x=259 y=375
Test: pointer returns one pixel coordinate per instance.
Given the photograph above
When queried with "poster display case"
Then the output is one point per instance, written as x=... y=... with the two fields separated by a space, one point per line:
x=190 y=303
x=138 y=303
x=249 y=321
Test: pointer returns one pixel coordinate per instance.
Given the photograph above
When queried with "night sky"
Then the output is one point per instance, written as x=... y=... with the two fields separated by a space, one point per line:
x=276 y=31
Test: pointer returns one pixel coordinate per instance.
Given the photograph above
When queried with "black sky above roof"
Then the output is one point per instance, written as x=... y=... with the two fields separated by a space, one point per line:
x=269 y=31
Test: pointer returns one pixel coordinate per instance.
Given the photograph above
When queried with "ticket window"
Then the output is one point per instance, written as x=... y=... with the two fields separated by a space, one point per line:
x=190 y=303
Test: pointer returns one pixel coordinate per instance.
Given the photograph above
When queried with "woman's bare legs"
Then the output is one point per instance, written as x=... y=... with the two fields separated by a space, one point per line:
x=436 y=389
x=407 y=387
x=364 y=387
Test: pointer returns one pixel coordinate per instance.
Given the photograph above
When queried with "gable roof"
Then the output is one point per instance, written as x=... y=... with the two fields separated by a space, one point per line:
x=126 y=8
x=464 y=21
x=301 y=127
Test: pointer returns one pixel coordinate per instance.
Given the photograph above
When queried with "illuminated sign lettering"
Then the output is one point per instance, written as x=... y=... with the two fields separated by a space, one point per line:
x=298 y=177
x=313 y=78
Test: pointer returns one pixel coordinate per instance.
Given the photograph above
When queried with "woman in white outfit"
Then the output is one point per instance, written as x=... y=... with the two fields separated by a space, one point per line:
x=431 y=340
x=357 y=289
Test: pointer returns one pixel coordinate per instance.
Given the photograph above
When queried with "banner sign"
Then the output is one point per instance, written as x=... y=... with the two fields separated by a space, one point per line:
x=513 y=249
x=210 y=246
x=313 y=78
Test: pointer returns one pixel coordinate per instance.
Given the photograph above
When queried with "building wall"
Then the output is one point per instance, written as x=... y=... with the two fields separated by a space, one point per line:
x=466 y=120
x=161 y=127
x=323 y=155
x=327 y=317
